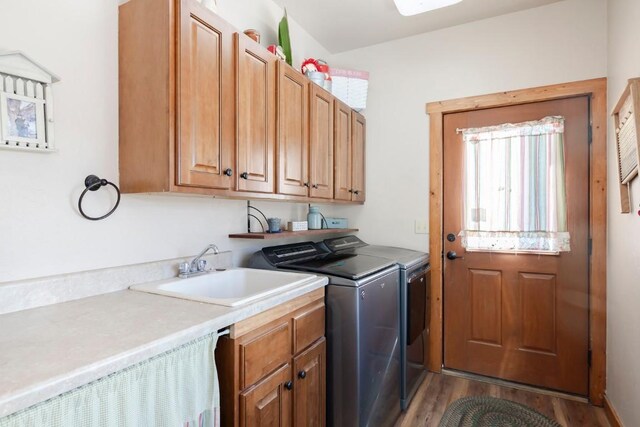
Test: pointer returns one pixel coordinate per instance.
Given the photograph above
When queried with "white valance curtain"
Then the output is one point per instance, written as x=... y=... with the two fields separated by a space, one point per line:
x=514 y=188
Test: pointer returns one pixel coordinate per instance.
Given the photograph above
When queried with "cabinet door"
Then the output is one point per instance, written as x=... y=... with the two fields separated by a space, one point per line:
x=268 y=403
x=293 y=132
x=256 y=116
x=206 y=100
x=342 y=153
x=321 y=143
x=358 y=135
x=309 y=402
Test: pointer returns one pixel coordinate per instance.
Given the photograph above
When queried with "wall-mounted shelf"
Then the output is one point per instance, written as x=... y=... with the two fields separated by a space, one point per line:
x=290 y=234
x=626 y=115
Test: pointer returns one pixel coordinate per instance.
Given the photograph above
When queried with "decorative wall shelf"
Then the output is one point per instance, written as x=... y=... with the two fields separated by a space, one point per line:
x=291 y=234
x=26 y=104
x=626 y=115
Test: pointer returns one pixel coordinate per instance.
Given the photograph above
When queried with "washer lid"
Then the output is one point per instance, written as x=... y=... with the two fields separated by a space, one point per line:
x=404 y=257
x=349 y=266
x=343 y=243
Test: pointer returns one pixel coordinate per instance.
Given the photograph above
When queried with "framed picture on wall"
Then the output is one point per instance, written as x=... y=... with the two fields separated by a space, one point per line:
x=22 y=118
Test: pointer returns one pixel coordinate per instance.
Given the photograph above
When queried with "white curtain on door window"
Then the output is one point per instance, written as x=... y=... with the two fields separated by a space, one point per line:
x=514 y=188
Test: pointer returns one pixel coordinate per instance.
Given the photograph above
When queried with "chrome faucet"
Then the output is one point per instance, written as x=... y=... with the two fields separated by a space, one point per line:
x=197 y=265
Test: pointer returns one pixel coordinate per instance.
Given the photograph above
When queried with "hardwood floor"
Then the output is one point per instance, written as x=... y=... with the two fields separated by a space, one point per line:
x=438 y=391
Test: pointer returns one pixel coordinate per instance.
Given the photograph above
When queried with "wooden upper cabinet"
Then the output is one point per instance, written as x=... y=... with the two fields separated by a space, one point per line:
x=342 y=153
x=256 y=116
x=268 y=403
x=321 y=143
x=309 y=398
x=206 y=99
x=203 y=109
x=358 y=138
x=293 y=132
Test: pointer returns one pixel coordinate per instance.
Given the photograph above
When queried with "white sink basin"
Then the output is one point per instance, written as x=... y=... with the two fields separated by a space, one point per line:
x=232 y=287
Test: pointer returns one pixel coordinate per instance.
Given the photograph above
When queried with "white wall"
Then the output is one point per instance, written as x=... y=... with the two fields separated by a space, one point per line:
x=264 y=16
x=557 y=43
x=40 y=231
x=42 y=234
x=623 y=268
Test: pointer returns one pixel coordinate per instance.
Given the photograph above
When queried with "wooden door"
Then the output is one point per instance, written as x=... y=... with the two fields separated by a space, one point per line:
x=256 y=116
x=321 y=143
x=309 y=398
x=268 y=403
x=359 y=135
x=342 y=152
x=293 y=131
x=520 y=317
x=206 y=99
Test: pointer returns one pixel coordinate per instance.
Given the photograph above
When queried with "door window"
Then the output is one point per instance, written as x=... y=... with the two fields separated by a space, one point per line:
x=514 y=188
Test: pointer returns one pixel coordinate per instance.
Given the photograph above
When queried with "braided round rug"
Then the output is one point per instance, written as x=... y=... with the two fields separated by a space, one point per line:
x=485 y=411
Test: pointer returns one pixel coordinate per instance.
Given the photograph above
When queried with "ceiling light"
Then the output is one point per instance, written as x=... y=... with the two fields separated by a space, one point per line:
x=414 y=7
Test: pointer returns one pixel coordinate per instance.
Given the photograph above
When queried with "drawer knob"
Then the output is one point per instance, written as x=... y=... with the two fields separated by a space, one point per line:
x=288 y=385
x=302 y=374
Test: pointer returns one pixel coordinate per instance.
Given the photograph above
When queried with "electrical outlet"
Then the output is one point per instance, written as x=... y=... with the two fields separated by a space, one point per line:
x=421 y=226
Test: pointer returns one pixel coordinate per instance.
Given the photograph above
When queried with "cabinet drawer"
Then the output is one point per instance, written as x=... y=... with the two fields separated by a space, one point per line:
x=263 y=354
x=308 y=326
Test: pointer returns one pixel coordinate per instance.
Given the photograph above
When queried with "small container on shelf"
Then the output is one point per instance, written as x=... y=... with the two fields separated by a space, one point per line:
x=298 y=226
x=314 y=218
x=274 y=225
x=337 y=223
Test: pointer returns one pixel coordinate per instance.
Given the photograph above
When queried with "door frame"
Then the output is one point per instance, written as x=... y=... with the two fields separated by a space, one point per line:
x=596 y=89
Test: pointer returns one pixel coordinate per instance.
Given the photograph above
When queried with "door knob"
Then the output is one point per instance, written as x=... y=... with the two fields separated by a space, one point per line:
x=244 y=175
x=302 y=374
x=228 y=172
x=453 y=256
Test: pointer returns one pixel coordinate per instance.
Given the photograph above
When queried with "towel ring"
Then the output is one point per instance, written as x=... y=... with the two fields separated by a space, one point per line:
x=93 y=183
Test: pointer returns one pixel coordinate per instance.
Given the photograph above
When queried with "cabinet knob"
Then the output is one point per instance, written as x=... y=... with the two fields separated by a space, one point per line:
x=306 y=184
x=288 y=385
x=351 y=190
x=228 y=172
x=356 y=192
x=315 y=186
x=244 y=175
x=302 y=374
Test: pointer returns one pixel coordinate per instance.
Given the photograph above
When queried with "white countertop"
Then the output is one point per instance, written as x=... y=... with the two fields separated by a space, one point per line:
x=49 y=350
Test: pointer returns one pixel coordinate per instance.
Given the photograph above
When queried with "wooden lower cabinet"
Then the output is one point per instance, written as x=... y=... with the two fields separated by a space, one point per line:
x=268 y=403
x=272 y=367
x=309 y=407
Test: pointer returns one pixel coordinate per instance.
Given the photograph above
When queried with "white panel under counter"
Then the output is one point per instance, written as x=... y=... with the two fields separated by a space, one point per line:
x=50 y=350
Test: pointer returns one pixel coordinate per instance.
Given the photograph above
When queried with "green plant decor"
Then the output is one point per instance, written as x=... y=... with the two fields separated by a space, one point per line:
x=283 y=37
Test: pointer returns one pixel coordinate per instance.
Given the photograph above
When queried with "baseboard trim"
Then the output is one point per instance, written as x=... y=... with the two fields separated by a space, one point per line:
x=612 y=415
x=517 y=386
